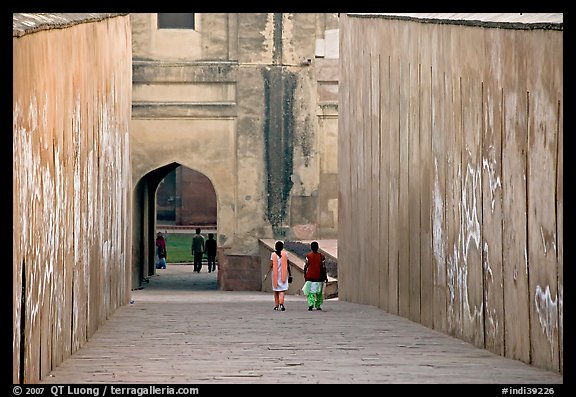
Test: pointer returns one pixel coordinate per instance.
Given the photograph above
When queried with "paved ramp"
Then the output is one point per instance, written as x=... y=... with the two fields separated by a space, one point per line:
x=182 y=330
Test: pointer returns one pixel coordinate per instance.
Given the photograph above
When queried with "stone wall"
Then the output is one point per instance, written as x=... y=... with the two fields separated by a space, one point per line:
x=72 y=190
x=450 y=173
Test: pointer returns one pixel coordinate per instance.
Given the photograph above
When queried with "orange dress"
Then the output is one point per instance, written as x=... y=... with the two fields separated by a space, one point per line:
x=279 y=271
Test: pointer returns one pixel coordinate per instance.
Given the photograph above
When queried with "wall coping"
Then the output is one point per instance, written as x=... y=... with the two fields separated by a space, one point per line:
x=27 y=23
x=519 y=21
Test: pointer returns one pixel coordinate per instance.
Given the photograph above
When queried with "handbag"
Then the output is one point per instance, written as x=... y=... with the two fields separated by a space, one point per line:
x=323 y=271
x=323 y=275
x=289 y=275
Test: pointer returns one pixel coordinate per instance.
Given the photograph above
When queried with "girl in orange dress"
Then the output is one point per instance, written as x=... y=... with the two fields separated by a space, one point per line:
x=280 y=271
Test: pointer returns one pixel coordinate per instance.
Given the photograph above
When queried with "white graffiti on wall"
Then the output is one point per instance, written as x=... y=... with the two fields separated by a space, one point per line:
x=547 y=310
x=76 y=131
x=438 y=239
x=437 y=222
x=470 y=223
x=468 y=233
x=493 y=179
x=489 y=165
x=487 y=269
x=32 y=198
x=19 y=155
x=452 y=270
x=48 y=214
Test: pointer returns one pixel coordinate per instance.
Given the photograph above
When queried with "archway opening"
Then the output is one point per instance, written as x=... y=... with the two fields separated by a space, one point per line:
x=186 y=201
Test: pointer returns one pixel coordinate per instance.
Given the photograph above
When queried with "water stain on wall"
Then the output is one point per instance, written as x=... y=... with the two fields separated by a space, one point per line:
x=279 y=91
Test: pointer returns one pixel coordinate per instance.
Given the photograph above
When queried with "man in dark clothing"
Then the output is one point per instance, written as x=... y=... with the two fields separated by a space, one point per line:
x=211 y=252
x=198 y=250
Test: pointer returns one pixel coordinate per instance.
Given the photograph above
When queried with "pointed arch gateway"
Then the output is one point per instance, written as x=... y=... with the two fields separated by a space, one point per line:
x=186 y=199
x=170 y=197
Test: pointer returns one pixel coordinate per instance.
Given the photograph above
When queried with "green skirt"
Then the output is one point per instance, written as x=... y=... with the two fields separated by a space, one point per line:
x=313 y=287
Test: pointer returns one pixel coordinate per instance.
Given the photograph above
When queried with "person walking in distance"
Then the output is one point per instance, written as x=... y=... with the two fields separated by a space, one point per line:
x=314 y=277
x=211 y=252
x=198 y=250
x=280 y=273
x=160 y=251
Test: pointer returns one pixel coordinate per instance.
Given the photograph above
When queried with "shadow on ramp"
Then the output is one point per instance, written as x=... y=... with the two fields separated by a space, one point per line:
x=182 y=277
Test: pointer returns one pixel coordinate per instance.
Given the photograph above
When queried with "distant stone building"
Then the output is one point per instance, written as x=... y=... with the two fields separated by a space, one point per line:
x=249 y=101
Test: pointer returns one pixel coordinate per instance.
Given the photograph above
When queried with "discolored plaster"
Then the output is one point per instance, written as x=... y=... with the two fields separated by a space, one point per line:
x=279 y=91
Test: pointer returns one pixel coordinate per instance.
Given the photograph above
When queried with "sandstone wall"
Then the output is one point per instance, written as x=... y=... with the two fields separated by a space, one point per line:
x=72 y=190
x=451 y=176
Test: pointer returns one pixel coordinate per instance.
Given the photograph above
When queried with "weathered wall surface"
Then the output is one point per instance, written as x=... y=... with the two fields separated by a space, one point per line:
x=72 y=191
x=450 y=175
x=246 y=109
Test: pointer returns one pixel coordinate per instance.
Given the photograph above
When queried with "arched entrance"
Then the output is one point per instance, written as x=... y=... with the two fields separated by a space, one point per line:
x=172 y=197
x=186 y=198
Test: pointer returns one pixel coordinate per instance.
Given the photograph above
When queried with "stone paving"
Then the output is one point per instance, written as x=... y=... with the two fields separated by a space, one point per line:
x=182 y=330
